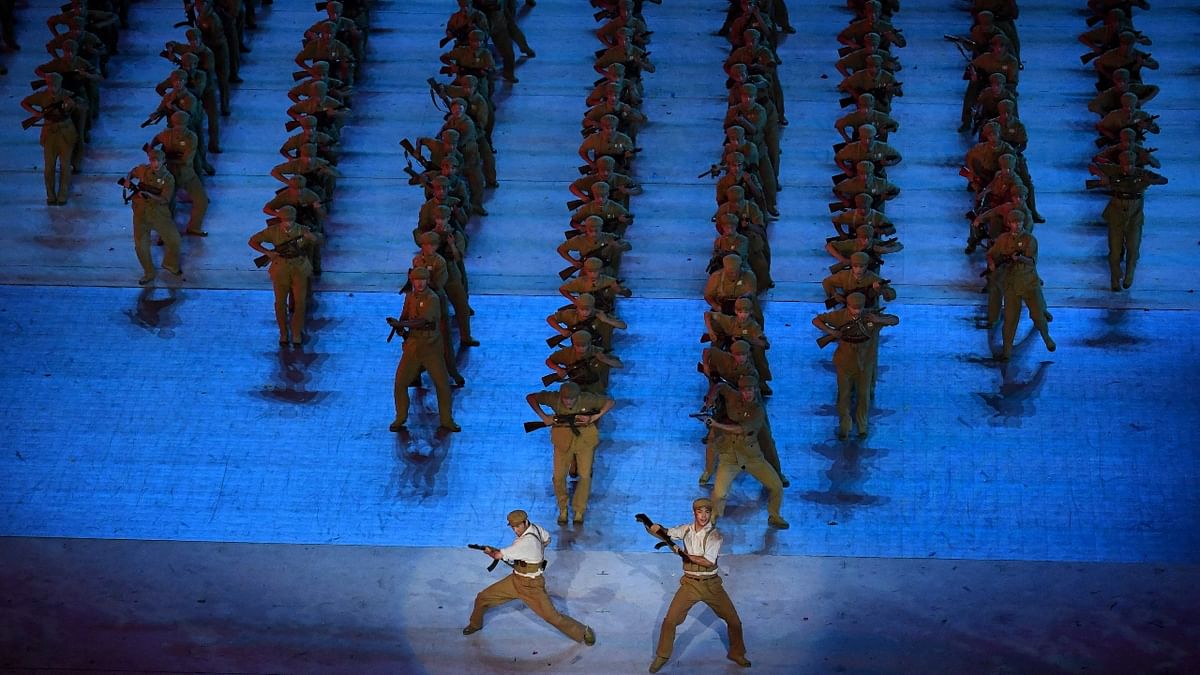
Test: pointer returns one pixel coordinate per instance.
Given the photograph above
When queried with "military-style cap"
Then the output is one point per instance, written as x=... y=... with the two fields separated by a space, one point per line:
x=594 y=221
x=747 y=381
x=743 y=304
x=601 y=186
x=593 y=264
x=286 y=212
x=864 y=198
x=586 y=299
x=865 y=231
x=732 y=261
x=517 y=517
x=155 y=153
x=740 y=347
x=581 y=338
x=856 y=300
x=419 y=273
x=702 y=503
x=429 y=238
x=860 y=258
x=569 y=390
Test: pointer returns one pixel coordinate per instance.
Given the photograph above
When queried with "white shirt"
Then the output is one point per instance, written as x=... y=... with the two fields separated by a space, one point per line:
x=529 y=547
x=705 y=543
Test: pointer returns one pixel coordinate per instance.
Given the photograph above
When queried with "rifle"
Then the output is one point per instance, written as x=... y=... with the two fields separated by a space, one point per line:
x=1093 y=183
x=587 y=324
x=706 y=413
x=185 y=22
x=576 y=203
x=564 y=420
x=966 y=46
x=154 y=118
x=488 y=549
x=575 y=372
x=414 y=177
x=291 y=247
x=402 y=326
x=564 y=274
x=415 y=154
x=712 y=172
x=1086 y=58
x=131 y=189
x=665 y=540
x=436 y=88
x=824 y=340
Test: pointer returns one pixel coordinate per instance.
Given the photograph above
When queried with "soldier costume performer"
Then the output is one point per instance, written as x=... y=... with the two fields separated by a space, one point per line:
x=857 y=332
x=527 y=583
x=290 y=270
x=574 y=434
x=420 y=322
x=151 y=211
x=700 y=582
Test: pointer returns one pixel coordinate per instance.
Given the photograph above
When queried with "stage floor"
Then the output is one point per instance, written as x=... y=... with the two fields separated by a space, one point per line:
x=179 y=494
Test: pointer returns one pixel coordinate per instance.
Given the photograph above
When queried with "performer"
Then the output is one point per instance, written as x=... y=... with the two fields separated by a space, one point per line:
x=526 y=556
x=700 y=582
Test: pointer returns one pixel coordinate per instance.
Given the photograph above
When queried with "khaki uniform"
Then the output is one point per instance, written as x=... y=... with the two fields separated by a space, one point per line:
x=180 y=146
x=1019 y=283
x=855 y=361
x=1125 y=216
x=150 y=214
x=573 y=446
x=59 y=139
x=730 y=329
x=740 y=451
x=423 y=348
x=289 y=278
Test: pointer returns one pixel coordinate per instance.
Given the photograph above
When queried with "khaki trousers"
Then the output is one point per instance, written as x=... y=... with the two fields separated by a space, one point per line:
x=1125 y=218
x=58 y=147
x=581 y=455
x=858 y=384
x=156 y=217
x=430 y=357
x=532 y=592
x=711 y=592
x=290 y=278
x=732 y=463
